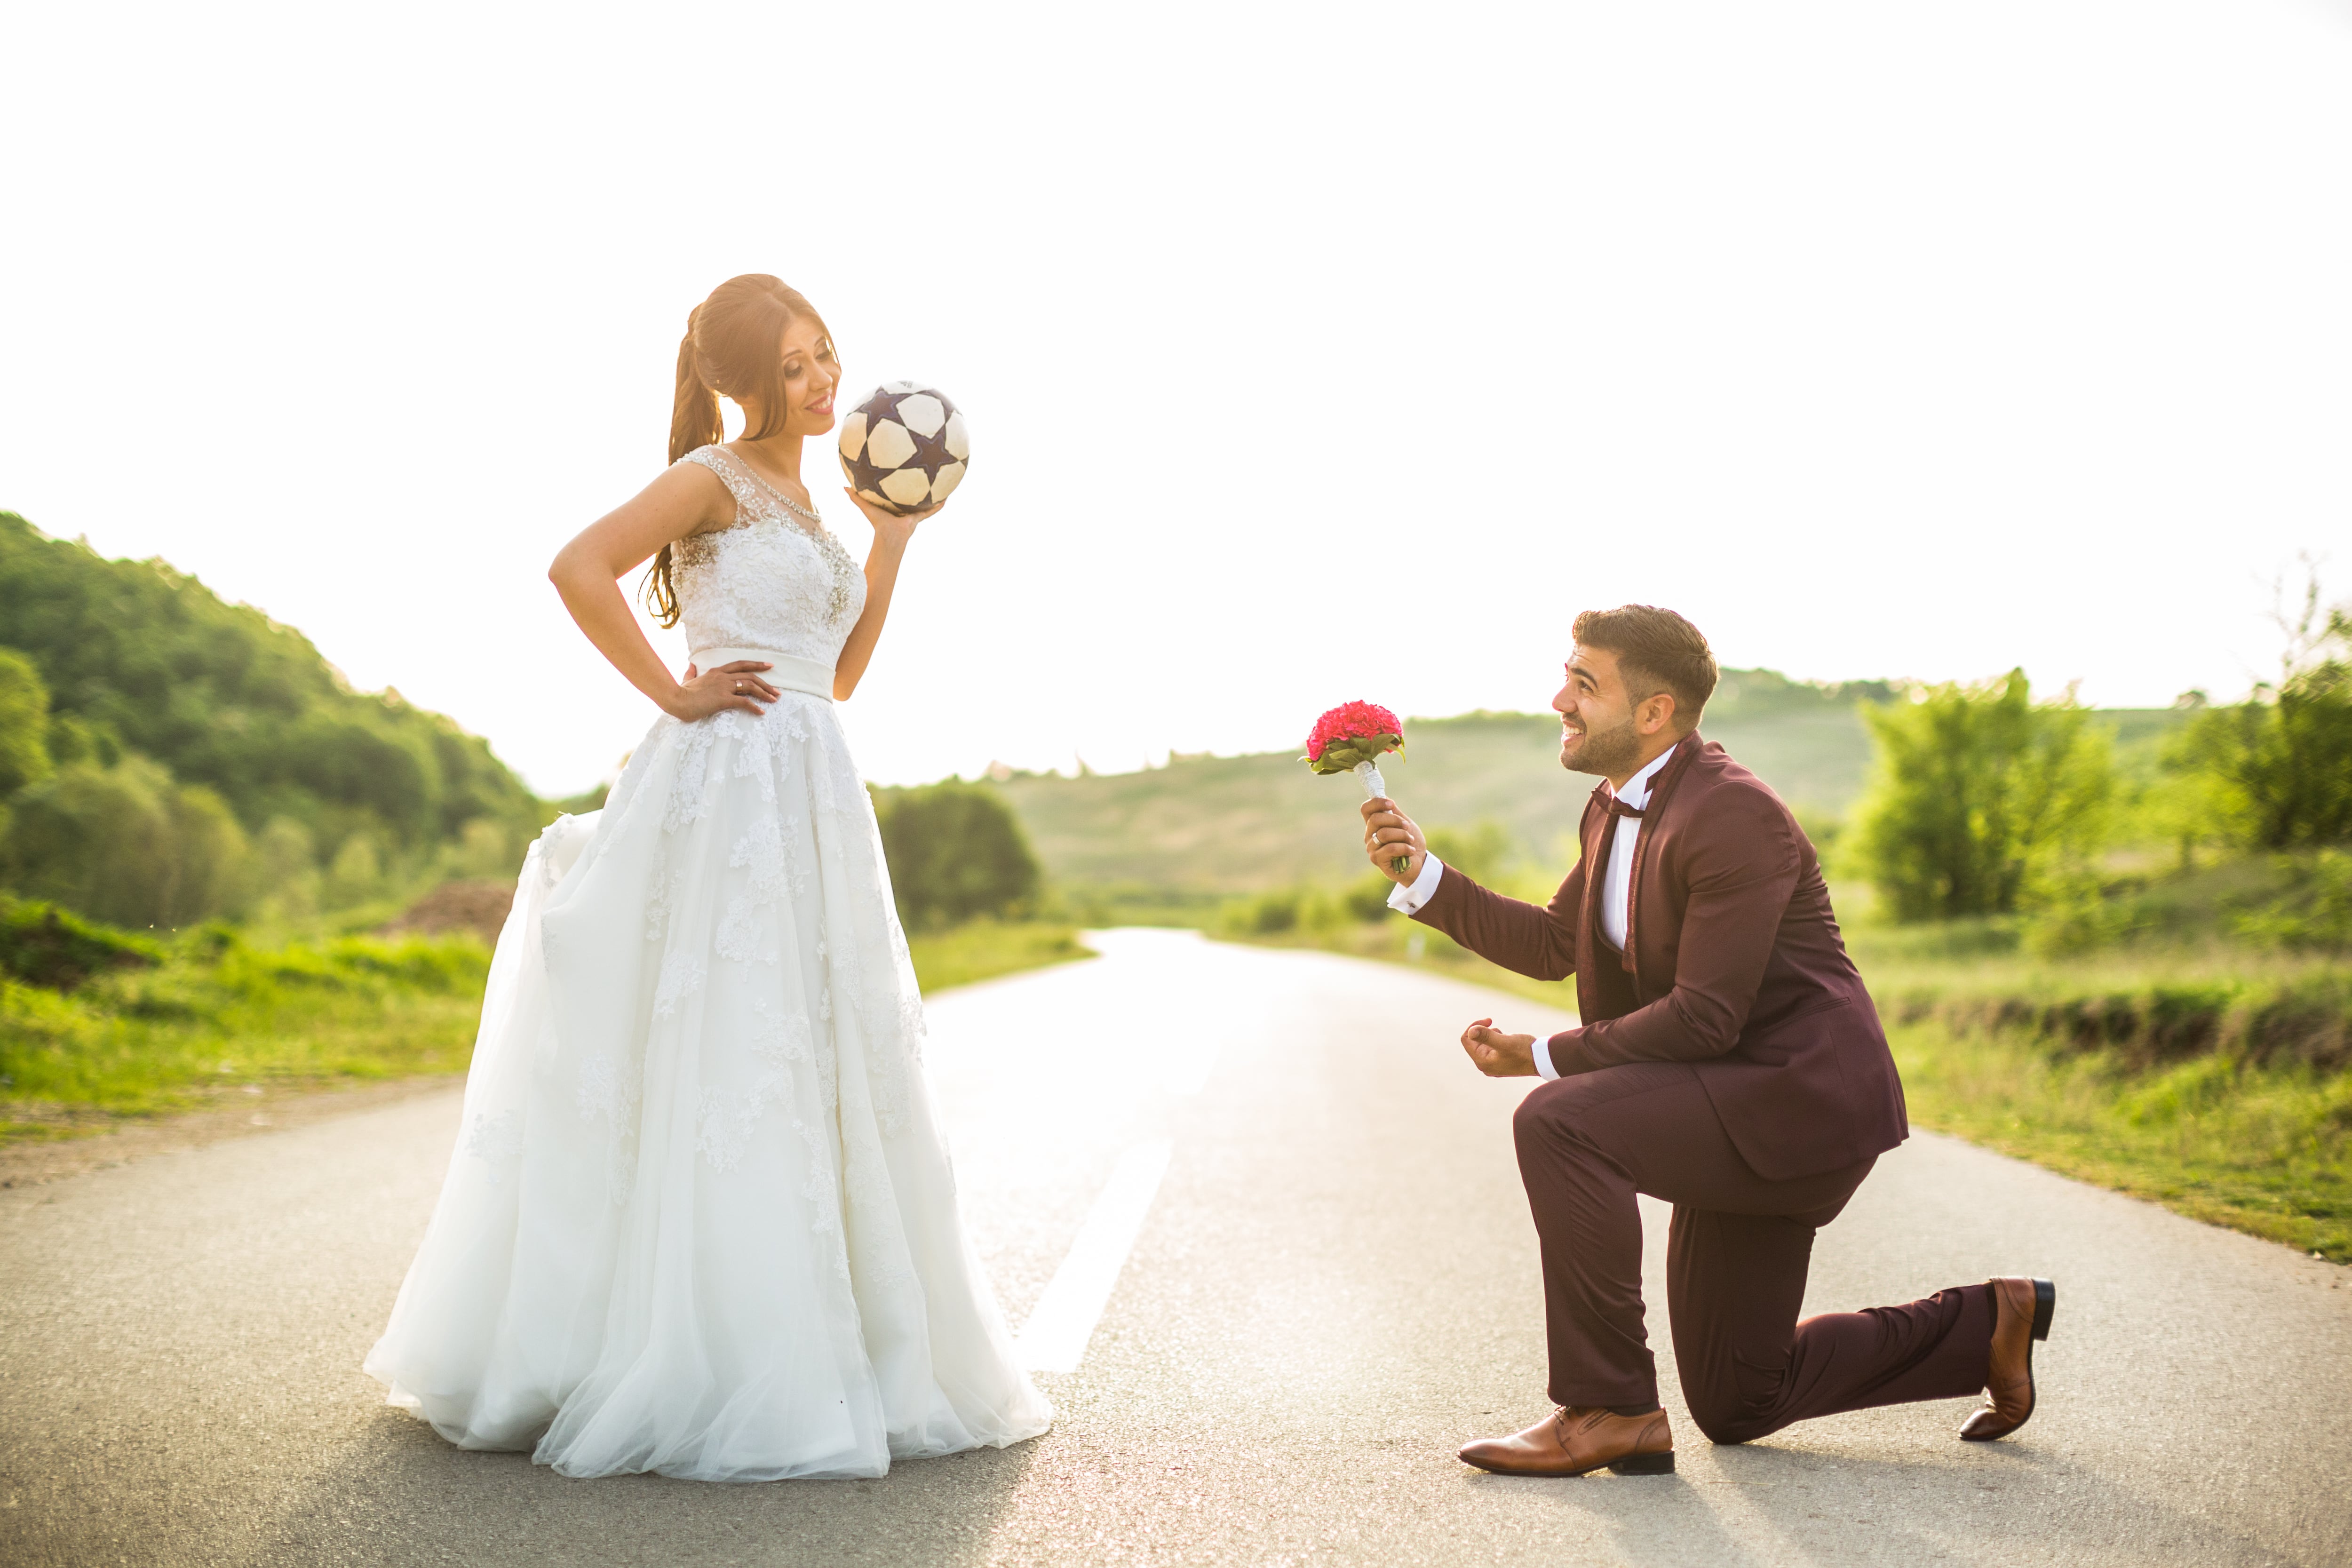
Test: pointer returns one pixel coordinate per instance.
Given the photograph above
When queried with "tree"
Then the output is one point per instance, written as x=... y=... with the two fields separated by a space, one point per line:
x=1976 y=791
x=24 y=725
x=126 y=845
x=956 y=852
x=2283 y=757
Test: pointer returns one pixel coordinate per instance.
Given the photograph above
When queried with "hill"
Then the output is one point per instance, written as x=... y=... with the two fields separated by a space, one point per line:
x=1201 y=827
x=131 y=683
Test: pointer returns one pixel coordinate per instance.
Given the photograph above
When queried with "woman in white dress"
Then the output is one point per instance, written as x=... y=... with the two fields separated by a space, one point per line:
x=701 y=1219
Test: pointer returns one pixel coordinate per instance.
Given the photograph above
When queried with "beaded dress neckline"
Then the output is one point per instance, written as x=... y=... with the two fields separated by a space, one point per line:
x=787 y=502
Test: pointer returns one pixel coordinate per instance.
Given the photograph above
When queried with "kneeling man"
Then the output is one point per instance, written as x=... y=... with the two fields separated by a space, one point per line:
x=1728 y=1061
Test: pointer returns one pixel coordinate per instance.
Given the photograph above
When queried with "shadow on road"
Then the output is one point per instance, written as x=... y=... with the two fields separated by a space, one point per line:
x=1764 y=1503
x=398 y=1494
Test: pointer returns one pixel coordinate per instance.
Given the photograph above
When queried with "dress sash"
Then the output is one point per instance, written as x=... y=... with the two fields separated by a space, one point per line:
x=790 y=674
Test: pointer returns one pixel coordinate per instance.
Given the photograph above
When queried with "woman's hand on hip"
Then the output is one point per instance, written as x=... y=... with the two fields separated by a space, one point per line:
x=730 y=687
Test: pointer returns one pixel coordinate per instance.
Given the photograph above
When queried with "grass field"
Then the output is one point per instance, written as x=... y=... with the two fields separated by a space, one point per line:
x=218 y=1016
x=985 y=948
x=140 y=1042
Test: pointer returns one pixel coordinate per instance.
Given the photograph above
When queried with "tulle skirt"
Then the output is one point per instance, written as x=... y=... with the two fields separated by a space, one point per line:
x=701 y=1219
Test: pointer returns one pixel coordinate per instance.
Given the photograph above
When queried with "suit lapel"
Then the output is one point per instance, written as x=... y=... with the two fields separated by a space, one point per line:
x=1598 y=828
x=1668 y=776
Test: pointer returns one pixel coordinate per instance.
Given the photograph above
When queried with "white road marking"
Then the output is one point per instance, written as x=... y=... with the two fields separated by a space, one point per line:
x=1054 y=1338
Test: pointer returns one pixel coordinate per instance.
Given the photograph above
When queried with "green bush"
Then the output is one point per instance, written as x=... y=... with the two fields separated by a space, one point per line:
x=1275 y=914
x=1366 y=898
x=1479 y=852
x=956 y=853
x=2315 y=912
x=126 y=845
x=24 y=725
x=355 y=875
x=1978 y=793
x=2285 y=756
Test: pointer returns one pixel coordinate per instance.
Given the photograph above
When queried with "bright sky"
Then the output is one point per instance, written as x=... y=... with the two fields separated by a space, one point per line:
x=1310 y=352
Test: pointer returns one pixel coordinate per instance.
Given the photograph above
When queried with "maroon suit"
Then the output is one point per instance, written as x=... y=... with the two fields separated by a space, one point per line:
x=1731 y=1062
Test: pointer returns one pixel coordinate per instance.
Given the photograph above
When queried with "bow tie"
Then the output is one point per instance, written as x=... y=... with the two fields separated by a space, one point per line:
x=1619 y=808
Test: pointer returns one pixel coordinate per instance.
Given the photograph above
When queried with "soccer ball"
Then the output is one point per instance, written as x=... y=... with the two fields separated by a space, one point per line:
x=904 y=449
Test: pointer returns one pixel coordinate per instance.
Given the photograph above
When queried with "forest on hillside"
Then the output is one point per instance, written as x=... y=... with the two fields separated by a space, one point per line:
x=167 y=757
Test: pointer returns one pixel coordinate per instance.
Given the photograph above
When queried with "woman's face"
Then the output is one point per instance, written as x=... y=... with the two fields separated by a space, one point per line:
x=811 y=377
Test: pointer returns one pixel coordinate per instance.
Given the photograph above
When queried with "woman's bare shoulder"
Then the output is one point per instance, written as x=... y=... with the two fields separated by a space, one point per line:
x=694 y=485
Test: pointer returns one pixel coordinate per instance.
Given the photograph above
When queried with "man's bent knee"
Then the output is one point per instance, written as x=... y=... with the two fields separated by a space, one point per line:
x=1547 y=1119
x=1734 y=1423
x=1734 y=1415
x=1549 y=1134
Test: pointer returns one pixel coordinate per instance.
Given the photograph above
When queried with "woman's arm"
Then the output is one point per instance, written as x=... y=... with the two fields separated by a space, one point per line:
x=890 y=537
x=684 y=499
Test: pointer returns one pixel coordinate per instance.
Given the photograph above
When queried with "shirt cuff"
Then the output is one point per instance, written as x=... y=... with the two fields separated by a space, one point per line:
x=1543 y=1057
x=1407 y=900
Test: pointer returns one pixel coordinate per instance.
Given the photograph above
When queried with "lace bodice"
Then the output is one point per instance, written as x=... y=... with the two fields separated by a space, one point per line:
x=775 y=580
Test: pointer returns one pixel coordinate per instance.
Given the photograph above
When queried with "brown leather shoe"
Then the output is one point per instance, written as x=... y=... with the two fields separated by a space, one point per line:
x=1573 y=1440
x=2021 y=1309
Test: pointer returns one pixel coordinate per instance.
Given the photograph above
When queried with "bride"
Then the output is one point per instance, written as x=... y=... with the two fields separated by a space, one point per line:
x=700 y=1218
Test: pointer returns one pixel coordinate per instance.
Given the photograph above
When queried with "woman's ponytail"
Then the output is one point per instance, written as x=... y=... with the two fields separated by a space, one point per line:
x=694 y=418
x=694 y=423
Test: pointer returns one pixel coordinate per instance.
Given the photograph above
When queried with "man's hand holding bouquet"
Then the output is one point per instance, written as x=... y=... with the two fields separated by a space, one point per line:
x=1352 y=739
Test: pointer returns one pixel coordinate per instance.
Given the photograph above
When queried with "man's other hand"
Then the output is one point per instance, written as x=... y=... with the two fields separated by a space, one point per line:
x=1389 y=835
x=1497 y=1054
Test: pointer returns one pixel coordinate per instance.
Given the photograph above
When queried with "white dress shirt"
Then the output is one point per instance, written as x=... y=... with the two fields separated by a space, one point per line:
x=1616 y=882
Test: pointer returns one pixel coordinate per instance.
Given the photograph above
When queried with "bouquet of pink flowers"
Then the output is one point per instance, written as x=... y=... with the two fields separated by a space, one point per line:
x=1352 y=738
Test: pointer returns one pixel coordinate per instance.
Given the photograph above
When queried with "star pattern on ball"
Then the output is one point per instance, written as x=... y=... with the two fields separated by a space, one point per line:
x=905 y=448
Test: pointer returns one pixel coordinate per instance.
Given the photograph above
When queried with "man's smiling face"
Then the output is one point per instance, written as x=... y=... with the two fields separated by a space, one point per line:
x=1598 y=735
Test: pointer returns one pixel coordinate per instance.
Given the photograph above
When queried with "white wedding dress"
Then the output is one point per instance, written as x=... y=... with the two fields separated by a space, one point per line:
x=701 y=1218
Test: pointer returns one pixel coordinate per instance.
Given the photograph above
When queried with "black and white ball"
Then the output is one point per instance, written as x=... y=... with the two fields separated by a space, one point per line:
x=904 y=449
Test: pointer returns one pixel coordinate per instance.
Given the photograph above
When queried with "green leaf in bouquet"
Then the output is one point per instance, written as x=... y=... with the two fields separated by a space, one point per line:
x=1343 y=752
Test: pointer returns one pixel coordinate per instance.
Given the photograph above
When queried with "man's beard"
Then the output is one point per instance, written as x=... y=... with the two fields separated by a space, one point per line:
x=1605 y=753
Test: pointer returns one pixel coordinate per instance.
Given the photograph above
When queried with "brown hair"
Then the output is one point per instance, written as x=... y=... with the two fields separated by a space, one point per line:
x=732 y=348
x=1659 y=651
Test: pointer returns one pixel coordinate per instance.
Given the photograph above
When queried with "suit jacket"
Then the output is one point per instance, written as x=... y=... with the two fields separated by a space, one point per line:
x=1732 y=963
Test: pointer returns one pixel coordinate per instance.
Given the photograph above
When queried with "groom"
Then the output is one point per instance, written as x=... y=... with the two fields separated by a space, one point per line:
x=1729 y=1060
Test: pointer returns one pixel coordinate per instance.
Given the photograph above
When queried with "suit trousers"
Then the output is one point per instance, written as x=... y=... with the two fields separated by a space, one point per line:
x=1735 y=1262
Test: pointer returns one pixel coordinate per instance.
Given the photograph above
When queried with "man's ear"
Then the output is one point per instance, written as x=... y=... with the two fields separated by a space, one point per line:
x=1655 y=713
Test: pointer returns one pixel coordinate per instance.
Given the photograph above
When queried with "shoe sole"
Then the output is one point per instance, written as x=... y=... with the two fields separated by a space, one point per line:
x=1630 y=1465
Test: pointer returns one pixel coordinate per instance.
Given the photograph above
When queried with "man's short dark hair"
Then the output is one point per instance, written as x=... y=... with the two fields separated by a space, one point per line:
x=1658 y=650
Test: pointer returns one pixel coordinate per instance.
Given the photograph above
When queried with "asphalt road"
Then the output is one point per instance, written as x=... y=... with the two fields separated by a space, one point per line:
x=1334 y=1286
